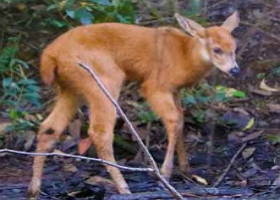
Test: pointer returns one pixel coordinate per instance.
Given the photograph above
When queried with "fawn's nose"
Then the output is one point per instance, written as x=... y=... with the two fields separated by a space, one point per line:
x=234 y=71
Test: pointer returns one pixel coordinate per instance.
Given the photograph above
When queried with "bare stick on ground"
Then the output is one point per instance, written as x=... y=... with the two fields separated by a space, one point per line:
x=220 y=179
x=174 y=192
x=79 y=157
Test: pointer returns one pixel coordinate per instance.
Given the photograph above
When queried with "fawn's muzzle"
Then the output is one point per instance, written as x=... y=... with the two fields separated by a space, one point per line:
x=234 y=71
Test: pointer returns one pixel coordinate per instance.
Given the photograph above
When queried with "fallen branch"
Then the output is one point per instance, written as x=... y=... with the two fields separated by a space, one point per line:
x=79 y=157
x=220 y=179
x=191 y=193
x=174 y=192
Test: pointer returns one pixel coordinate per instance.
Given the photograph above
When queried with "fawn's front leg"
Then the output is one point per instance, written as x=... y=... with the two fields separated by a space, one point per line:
x=180 y=145
x=163 y=103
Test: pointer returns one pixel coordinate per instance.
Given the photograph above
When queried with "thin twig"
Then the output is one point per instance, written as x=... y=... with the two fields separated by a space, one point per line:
x=79 y=157
x=220 y=179
x=175 y=193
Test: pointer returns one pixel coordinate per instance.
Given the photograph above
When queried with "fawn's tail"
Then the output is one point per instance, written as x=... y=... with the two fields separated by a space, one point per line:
x=47 y=68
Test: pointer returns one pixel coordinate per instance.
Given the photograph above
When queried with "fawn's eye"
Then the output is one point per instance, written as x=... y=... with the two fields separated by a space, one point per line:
x=218 y=50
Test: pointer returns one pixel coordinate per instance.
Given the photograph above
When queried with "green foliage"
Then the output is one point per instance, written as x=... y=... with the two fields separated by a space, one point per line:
x=260 y=75
x=273 y=72
x=204 y=94
x=197 y=99
x=199 y=115
x=19 y=93
x=275 y=139
x=195 y=11
x=91 y=11
x=229 y=92
x=23 y=91
x=276 y=71
x=145 y=115
x=19 y=122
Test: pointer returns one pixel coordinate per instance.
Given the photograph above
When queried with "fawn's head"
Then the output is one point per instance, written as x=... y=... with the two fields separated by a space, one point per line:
x=217 y=44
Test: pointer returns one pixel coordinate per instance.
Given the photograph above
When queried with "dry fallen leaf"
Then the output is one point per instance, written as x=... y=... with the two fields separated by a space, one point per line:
x=30 y=138
x=274 y=108
x=3 y=126
x=248 y=152
x=58 y=151
x=241 y=110
x=70 y=168
x=261 y=92
x=98 y=180
x=265 y=87
x=73 y=194
x=200 y=179
x=275 y=167
x=276 y=182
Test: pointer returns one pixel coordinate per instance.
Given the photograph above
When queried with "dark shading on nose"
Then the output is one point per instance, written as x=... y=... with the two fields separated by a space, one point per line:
x=234 y=71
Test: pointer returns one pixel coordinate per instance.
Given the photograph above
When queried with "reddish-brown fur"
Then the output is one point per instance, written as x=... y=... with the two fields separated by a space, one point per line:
x=162 y=59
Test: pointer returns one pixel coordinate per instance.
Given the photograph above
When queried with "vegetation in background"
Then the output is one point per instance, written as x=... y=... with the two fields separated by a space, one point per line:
x=199 y=99
x=19 y=91
x=91 y=11
x=145 y=115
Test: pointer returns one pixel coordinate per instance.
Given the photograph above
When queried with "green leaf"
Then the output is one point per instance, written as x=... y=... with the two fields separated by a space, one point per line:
x=273 y=138
x=15 y=114
x=101 y=2
x=230 y=92
x=199 y=115
x=249 y=125
x=276 y=71
x=239 y=94
x=58 y=23
x=27 y=82
x=70 y=13
x=69 y=3
x=84 y=16
x=220 y=97
x=147 y=116
x=52 y=7
x=189 y=100
x=6 y=82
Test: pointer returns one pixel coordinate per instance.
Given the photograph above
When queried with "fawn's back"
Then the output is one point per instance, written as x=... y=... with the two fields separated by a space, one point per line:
x=136 y=51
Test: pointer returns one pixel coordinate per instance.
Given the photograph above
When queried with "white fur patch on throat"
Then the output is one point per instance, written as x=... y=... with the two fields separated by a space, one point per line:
x=204 y=54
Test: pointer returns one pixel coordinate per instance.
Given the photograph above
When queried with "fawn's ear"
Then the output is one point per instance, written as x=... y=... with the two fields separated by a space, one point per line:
x=190 y=26
x=231 y=22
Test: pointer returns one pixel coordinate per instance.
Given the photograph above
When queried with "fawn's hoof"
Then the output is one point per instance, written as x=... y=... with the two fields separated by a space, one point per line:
x=32 y=195
x=33 y=190
x=166 y=172
x=124 y=190
x=185 y=170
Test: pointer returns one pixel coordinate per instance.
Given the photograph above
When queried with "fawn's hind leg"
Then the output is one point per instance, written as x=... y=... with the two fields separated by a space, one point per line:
x=49 y=132
x=102 y=122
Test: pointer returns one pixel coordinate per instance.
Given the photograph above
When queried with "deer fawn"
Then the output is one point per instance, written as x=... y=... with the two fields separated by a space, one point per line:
x=162 y=59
